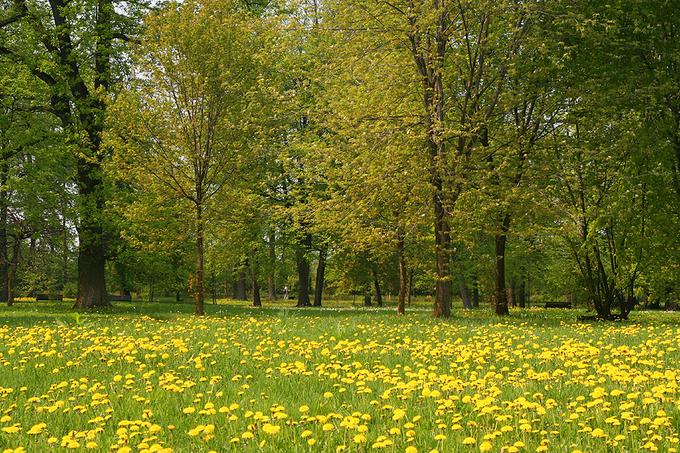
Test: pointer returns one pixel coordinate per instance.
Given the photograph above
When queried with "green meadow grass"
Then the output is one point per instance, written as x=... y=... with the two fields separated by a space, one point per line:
x=152 y=377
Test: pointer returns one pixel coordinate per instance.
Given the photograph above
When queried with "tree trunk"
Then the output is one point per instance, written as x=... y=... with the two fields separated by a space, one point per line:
x=12 y=271
x=200 y=309
x=501 y=240
x=320 y=277
x=512 y=293
x=4 y=254
x=401 y=305
x=91 y=251
x=240 y=292
x=376 y=284
x=475 y=294
x=522 y=296
x=271 y=277
x=442 y=303
x=429 y=60
x=367 y=295
x=302 y=261
x=257 y=301
x=91 y=269
x=465 y=293
x=64 y=263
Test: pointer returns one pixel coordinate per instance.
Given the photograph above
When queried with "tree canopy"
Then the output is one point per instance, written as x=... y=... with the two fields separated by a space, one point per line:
x=487 y=152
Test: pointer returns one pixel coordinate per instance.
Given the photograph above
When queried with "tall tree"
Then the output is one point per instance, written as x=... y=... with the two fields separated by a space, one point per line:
x=74 y=49
x=184 y=122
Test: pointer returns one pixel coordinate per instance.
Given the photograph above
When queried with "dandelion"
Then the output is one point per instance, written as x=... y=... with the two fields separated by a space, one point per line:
x=271 y=429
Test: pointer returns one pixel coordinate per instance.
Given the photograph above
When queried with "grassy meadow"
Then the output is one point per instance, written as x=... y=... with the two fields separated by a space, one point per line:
x=152 y=377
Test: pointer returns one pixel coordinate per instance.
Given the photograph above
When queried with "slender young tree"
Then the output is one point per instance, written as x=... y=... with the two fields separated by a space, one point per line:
x=184 y=123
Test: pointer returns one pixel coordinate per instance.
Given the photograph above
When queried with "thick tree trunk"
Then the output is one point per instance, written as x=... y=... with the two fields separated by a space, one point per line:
x=271 y=277
x=91 y=251
x=91 y=269
x=240 y=288
x=199 y=296
x=376 y=285
x=320 y=277
x=401 y=304
x=303 y=271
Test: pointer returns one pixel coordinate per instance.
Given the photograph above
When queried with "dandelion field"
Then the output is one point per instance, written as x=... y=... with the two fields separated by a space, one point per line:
x=155 y=378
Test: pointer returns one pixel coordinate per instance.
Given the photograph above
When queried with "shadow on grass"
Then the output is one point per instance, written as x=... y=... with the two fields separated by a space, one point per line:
x=31 y=313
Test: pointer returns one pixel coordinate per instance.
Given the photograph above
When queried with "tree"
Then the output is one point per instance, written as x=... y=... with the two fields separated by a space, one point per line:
x=75 y=52
x=184 y=121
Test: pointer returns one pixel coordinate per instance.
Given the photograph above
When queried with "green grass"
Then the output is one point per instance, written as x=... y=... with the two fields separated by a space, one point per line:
x=537 y=377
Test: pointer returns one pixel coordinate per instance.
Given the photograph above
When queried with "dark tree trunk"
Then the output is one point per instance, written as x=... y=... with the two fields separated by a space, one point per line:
x=271 y=277
x=91 y=269
x=320 y=277
x=12 y=271
x=501 y=240
x=123 y=277
x=178 y=296
x=475 y=295
x=465 y=293
x=367 y=295
x=64 y=263
x=522 y=296
x=91 y=251
x=401 y=305
x=512 y=293
x=376 y=285
x=31 y=250
x=4 y=255
x=240 y=292
x=302 y=261
x=200 y=309
x=257 y=301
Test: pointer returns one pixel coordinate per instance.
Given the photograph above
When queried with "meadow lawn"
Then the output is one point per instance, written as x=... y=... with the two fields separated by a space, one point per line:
x=153 y=377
